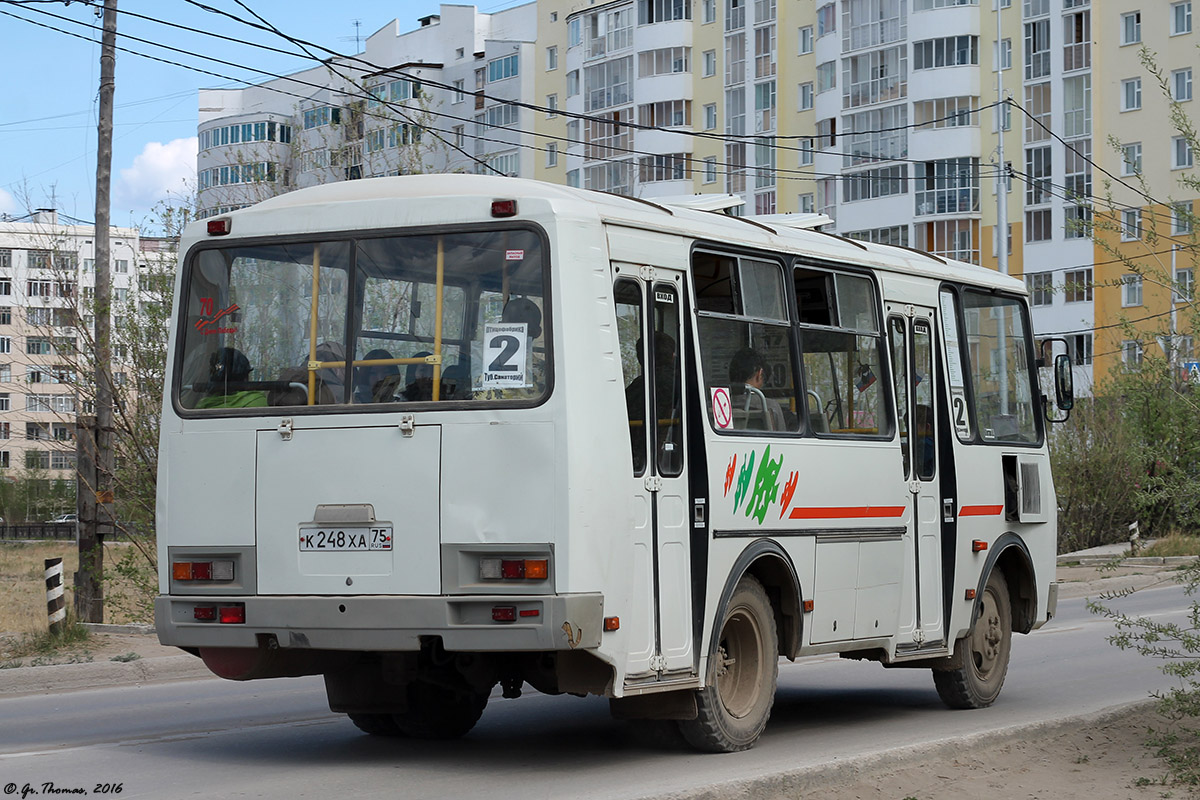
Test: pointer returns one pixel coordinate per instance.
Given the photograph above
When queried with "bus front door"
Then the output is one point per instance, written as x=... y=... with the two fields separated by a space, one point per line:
x=911 y=333
x=661 y=638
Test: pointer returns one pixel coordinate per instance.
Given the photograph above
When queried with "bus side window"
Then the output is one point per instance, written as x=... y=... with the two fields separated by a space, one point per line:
x=746 y=344
x=842 y=352
x=628 y=296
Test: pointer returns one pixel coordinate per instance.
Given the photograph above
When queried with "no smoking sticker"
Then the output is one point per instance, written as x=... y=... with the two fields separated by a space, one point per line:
x=722 y=408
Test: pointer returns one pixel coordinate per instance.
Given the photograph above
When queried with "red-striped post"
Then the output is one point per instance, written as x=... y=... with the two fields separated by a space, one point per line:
x=55 y=605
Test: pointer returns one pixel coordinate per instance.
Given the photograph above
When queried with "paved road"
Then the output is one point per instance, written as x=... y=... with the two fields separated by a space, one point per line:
x=276 y=739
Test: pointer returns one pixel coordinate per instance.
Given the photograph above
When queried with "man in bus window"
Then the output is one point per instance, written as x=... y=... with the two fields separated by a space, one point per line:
x=747 y=375
x=228 y=374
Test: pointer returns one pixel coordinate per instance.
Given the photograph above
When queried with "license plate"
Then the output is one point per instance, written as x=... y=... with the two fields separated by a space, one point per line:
x=338 y=539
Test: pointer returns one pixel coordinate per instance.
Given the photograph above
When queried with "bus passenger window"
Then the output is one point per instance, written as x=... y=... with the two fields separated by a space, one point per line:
x=997 y=346
x=746 y=345
x=841 y=346
x=628 y=296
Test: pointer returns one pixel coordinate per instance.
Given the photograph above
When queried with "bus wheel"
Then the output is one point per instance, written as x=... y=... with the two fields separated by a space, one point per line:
x=376 y=724
x=977 y=668
x=734 y=706
x=439 y=712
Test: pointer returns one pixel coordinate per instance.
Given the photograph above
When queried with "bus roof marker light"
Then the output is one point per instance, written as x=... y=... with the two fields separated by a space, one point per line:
x=502 y=208
x=220 y=227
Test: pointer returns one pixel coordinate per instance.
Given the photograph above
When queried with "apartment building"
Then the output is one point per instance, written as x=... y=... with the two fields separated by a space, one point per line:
x=1145 y=267
x=47 y=275
x=406 y=104
x=884 y=115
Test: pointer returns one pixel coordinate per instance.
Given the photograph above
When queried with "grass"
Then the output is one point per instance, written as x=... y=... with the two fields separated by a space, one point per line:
x=45 y=647
x=1176 y=544
x=23 y=585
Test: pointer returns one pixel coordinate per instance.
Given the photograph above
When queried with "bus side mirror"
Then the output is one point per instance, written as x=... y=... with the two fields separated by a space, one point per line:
x=1064 y=383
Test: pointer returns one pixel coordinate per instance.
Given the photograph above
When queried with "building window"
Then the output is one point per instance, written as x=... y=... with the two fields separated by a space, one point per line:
x=1077 y=286
x=1080 y=346
x=574 y=32
x=805 y=203
x=947 y=186
x=806 y=96
x=1181 y=18
x=1181 y=153
x=552 y=154
x=1037 y=120
x=710 y=11
x=951 y=51
x=5 y=403
x=665 y=61
x=806 y=40
x=573 y=178
x=1131 y=290
x=5 y=373
x=872 y=24
x=710 y=169
x=1077 y=106
x=1041 y=288
x=710 y=116
x=5 y=315
x=667 y=114
x=502 y=68
x=1184 y=280
x=946 y=112
x=1131 y=353
x=1131 y=229
x=1182 y=219
x=1038 y=226
x=1131 y=27
x=1131 y=94
x=1077 y=220
x=651 y=11
x=826 y=76
x=806 y=152
x=1002 y=55
x=1038 y=173
x=1036 y=8
x=826 y=19
x=1181 y=85
x=875 y=183
x=1131 y=163
x=875 y=77
x=710 y=63
x=1037 y=49
x=952 y=238
x=551 y=106
x=573 y=83
x=1077 y=41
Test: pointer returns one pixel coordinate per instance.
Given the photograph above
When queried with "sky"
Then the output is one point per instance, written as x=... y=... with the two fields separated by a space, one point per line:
x=49 y=96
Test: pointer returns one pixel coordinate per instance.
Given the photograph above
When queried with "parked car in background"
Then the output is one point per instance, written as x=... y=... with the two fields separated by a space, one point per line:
x=62 y=518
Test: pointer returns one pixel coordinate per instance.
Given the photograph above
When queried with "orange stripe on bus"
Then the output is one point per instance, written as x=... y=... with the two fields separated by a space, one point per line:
x=853 y=512
x=979 y=511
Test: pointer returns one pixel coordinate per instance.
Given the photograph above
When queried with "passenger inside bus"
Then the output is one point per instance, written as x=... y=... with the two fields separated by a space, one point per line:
x=229 y=367
x=666 y=374
x=751 y=408
x=368 y=378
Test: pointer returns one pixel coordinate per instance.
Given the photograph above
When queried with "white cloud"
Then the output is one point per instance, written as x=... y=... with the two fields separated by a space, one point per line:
x=8 y=203
x=159 y=171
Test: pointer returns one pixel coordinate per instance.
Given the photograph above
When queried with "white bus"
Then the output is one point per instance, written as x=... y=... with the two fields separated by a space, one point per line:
x=426 y=435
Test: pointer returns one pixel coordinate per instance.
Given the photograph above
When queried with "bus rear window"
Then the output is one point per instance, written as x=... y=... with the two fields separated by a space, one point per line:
x=437 y=318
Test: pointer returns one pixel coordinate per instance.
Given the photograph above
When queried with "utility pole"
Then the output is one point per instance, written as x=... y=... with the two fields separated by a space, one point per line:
x=89 y=587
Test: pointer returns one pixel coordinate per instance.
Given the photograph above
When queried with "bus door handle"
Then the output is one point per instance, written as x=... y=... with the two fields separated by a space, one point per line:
x=948 y=509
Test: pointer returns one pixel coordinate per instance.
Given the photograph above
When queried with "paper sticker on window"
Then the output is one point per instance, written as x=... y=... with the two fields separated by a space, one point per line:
x=722 y=408
x=514 y=255
x=505 y=345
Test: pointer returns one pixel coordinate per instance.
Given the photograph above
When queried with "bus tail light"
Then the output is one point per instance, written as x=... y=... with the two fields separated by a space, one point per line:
x=232 y=615
x=514 y=569
x=202 y=570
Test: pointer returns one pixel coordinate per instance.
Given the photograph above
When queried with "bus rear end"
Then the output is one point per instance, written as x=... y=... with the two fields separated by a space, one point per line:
x=357 y=459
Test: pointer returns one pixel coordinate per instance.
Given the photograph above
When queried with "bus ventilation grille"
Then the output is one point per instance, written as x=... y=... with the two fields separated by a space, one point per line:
x=1031 y=490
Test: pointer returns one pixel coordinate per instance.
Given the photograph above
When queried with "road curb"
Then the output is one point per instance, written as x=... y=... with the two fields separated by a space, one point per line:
x=810 y=781
x=101 y=674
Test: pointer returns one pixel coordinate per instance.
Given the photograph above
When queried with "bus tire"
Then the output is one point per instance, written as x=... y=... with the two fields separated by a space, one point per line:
x=439 y=712
x=734 y=706
x=376 y=724
x=980 y=661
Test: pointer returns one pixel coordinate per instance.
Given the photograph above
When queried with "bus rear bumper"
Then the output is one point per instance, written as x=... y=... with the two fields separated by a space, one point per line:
x=383 y=623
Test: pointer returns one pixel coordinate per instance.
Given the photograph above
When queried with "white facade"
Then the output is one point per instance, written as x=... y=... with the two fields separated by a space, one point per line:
x=47 y=279
x=373 y=115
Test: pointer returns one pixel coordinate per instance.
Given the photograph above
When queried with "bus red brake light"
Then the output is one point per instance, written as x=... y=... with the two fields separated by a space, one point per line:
x=504 y=613
x=233 y=615
x=512 y=568
x=504 y=208
x=204 y=613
